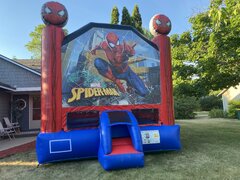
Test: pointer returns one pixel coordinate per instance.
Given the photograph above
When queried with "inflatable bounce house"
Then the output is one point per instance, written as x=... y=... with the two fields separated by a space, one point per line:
x=106 y=92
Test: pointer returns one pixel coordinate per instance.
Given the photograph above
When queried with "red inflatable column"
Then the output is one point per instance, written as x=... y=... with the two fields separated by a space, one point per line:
x=160 y=26
x=54 y=16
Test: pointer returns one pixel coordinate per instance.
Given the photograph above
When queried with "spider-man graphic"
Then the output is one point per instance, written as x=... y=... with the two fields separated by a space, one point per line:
x=54 y=13
x=117 y=68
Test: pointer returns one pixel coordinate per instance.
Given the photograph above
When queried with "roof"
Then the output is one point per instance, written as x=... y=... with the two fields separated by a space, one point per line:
x=34 y=64
x=226 y=89
x=20 y=65
x=7 y=87
x=222 y=92
x=13 y=89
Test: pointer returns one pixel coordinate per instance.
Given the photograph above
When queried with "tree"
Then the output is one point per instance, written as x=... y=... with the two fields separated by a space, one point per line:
x=137 y=19
x=215 y=47
x=211 y=52
x=35 y=45
x=115 y=15
x=185 y=78
x=147 y=34
x=126 y=18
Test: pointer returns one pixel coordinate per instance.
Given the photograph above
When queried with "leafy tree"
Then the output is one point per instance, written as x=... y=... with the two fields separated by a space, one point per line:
x=215 y=47
x=34 y=46
x=126 y=18
x=185 y=79
x=115 y=15
x=210 y=53
x=137 y=19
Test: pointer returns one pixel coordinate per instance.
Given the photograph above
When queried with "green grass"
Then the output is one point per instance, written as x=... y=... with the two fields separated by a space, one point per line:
x=210 y=150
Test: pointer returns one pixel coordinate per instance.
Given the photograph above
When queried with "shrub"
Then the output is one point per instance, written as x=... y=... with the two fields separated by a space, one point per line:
x=210 y=102
x=233 y=106
x=185 y=106
x=217 y=113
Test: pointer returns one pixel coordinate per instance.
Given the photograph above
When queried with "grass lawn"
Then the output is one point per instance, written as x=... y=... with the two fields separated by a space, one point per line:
x=210 y=150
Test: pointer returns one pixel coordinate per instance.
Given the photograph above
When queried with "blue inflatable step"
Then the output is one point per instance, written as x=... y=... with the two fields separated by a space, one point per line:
x=123 y=155
x=119 y=150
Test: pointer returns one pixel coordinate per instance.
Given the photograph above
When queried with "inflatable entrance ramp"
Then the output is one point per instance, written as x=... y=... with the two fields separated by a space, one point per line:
x=120 y=141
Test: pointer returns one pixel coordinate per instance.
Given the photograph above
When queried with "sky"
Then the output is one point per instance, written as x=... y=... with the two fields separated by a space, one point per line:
x=19 y=17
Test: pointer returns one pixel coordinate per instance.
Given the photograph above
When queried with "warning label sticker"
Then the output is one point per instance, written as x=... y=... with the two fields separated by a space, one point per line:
x=150 y=137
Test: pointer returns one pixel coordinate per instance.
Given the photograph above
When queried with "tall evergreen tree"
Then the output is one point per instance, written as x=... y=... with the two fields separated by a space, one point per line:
x=115 y=15
x=126 y=18
x=137 y=19
x=147 y=34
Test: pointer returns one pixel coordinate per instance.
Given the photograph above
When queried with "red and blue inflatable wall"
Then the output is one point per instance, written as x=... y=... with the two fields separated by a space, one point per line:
x=106 y=92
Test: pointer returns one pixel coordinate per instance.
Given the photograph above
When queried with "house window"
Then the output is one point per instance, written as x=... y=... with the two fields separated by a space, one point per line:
x=36 y=108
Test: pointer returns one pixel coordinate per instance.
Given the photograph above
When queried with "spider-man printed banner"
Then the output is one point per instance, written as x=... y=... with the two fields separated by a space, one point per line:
x=109 y=65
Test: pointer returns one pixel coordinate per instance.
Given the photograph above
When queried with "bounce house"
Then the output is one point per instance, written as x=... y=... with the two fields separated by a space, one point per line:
x=106 y=92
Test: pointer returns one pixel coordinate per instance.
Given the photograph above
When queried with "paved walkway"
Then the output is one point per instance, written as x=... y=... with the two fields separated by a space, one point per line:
x=19 y=144
x=202 y=115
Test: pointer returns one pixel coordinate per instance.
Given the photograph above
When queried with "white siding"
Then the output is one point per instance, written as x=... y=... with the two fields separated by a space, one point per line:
x=233 y=93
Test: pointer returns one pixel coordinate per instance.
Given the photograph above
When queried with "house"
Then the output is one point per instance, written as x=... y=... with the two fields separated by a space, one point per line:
x=20 y=88
x=34 y=64
x=232 y=93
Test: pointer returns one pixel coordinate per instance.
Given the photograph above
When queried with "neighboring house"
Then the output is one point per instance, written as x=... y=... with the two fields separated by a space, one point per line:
x=34 y=64
x=232 y=93
x=20 y=88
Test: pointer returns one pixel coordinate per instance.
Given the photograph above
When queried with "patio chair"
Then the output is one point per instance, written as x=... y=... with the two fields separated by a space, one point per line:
x=6 y=131
x=13 y=126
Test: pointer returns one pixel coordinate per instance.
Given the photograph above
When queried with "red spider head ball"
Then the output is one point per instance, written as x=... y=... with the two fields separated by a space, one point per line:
x=54 y=13
x=160 y=24
x=112 y=40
